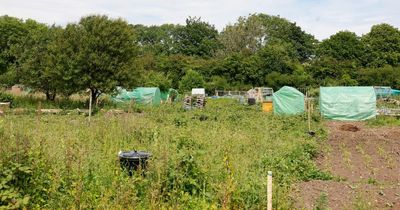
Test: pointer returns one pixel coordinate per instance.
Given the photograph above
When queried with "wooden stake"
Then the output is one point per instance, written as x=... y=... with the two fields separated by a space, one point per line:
x=269 y=190
x=39 y=110
x=309 y=114
x=90 y=105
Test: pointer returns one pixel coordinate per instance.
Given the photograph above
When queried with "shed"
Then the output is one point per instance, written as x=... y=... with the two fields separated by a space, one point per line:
x=288 y=101
x=347 y=103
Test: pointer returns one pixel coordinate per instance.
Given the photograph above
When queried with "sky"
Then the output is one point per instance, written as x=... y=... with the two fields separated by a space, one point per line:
x=321 y=18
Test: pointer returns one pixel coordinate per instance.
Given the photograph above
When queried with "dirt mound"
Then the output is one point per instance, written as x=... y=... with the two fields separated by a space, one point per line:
x=349 y=127
x=368 y=164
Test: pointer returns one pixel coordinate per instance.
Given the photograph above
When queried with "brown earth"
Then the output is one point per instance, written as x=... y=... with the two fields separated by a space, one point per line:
x=366 y=164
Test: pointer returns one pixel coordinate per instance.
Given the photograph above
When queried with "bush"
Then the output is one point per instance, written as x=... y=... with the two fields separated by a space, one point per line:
x=192 y=79
x=6 y=97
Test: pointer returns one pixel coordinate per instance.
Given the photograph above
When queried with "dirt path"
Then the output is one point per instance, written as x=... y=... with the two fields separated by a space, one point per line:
x=366 y=162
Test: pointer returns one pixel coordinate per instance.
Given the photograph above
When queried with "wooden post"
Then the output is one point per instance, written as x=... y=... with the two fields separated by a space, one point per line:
x=39 y=110
x=309 y=115
x=130 y=106
x=269 y=190
x=90 y=105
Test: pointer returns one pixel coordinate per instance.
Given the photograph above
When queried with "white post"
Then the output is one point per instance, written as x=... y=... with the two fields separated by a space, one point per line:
x=269 y=190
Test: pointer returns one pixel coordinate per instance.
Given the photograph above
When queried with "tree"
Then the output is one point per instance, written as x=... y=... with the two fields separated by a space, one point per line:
x=174 y=66
x=245 y=36
x=344 y=45
x=196 y=38
x=102 y=52
x=157 y=79
x=382 y=46
x=238 y=68
x=382 y=76
x=40 y=62
x=254 y=32
x=13 y=32
x=329 y=71
x=217 y=83
x=158 y=40
x=192 y=79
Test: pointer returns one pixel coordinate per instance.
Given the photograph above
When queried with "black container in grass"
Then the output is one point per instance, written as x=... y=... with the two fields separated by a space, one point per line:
x=251 y=101
x=132 y=161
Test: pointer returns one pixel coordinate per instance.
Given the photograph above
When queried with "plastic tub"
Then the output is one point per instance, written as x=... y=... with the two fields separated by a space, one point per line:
x=131 y=161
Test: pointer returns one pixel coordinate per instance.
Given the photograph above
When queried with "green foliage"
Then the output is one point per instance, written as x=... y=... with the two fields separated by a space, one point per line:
x=196 y=38
x=249 y=34
x=217 y=83
x=41 y=63
x=328 y=71
x=24 y=174
x=382 y=46
x=192 y=79
x=208 y=164
x=156 y=39
x=157 y=79
x=322 y=202
x=13 y=32
x=174 y=67
x=6 y=97
x=275 y=57
x=102 y=53
x=383 y=76
x=344 y=45
x=99 y=53
x=384 y=121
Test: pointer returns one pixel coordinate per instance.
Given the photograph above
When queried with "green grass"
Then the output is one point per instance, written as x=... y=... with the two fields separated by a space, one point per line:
x=60 y=161
x=384 y=121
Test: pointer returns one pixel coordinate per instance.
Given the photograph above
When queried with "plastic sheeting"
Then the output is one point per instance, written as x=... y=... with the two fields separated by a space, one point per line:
x=347 y=103
x=141 y=95
x=395 y=92
x=170 y=93
x=288 y=101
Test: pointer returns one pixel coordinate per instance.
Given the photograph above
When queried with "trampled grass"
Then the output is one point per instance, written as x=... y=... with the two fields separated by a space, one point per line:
x=201 y=159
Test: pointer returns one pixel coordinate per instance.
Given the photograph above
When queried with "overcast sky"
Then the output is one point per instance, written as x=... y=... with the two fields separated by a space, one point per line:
x=321 y=18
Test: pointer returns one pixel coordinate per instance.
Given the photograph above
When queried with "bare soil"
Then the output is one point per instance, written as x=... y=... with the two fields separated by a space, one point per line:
x=366 y=164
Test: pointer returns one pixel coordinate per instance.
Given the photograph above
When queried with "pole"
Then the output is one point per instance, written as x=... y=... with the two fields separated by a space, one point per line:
x=39 y=110
x=269 y=190
x=309 y=115
x=90 y=105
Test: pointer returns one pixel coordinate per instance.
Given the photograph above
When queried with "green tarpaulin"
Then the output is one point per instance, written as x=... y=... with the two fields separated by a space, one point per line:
x=395 y=92
x=288 y=101
x=165 y=95
x=141 y=95
x=347 y=103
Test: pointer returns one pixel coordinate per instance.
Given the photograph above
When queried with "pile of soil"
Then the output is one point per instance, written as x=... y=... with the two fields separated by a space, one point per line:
x=366 y=165
x=349 y=127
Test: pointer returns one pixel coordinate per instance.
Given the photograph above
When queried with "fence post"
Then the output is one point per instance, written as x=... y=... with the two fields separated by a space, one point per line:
x=39 y=110
x=90 y=105
x=269 y=190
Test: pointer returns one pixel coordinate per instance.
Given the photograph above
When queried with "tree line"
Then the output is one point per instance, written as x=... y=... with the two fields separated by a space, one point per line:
x=100 y=53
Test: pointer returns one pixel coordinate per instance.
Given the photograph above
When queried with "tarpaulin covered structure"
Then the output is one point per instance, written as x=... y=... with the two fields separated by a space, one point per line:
x=288 y=101
x=141 y=95
x=347 y=103
x=169 y=94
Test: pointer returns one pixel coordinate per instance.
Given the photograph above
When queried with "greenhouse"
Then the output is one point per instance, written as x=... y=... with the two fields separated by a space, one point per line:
x=288 y=101
x=348 y=103
x=141 y=95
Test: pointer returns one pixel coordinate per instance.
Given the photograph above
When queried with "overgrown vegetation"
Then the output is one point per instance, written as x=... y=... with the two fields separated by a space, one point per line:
x=212 y=158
